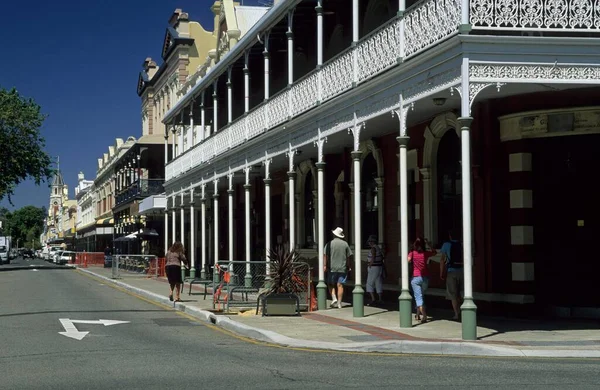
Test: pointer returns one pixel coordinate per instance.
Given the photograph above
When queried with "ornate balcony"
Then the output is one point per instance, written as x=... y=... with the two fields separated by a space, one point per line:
x=419 y=29
x=140 y=189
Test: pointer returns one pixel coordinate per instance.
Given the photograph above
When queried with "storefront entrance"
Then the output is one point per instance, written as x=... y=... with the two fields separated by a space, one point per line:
x=566 y=213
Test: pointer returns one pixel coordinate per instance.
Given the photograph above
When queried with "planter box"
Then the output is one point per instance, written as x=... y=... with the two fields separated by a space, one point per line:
x=280 y=305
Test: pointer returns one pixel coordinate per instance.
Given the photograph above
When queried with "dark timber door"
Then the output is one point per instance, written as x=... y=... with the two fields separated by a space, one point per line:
x=567 y=228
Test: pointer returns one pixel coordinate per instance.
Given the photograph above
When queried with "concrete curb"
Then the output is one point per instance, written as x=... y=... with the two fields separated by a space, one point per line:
x=450 y=348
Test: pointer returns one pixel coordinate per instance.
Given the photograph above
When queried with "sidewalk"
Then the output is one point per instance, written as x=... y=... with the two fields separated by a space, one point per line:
x=379 y=330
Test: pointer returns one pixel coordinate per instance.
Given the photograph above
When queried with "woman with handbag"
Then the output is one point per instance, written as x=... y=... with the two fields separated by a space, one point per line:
x=174 y=260
x=420 y=280
x=375 y=271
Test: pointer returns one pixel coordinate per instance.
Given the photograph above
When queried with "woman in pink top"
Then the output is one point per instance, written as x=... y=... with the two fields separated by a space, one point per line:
x=174 y=260
x=420 y=281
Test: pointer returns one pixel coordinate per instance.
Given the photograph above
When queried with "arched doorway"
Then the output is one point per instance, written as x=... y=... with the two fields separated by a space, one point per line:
x=449 y=185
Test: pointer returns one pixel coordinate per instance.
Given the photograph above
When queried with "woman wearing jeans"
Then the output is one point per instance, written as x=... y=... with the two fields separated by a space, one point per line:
x=420 y=280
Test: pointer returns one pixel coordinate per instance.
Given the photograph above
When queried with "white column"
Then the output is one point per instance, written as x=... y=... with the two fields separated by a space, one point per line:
x=266 y=56
x=468 y=308
x=174 y=220
x=401 y=40
x=464 y=16
x=191 y=139
x=174 y=141
x=216 y=220
x=182 y=222
x=230 y=219
x=202 y=118
x=290 y=37
x=319 y=9
x=229 y=97
x=247 y=187
x=292 y=204
x=203 y=272
x=215 y=108
x=166 y=148
x=291 y=197
x=246 y=84
x=267 y=181
x=166 y=228
x=192 y=236
x=321 y=286
x=181 y=130
x=358 y=308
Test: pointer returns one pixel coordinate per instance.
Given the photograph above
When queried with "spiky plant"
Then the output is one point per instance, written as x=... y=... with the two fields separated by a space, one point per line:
x=284 y=272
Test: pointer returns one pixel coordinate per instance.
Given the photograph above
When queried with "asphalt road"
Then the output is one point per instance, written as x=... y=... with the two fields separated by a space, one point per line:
x=161 y=349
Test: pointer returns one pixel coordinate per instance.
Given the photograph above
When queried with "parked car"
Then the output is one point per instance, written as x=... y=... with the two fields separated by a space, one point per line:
x=64 y=257
x=28 y=254
x=4 y=255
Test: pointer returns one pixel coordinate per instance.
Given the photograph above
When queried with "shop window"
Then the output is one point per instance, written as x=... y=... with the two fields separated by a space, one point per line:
x=309 y=211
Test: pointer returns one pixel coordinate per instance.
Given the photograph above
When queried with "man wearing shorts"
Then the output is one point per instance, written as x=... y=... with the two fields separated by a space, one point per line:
x=337 y=257
x=452 y=270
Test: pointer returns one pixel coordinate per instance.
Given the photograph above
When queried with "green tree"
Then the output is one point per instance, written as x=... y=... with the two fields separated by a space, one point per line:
x=22 y=154
x=25 y=225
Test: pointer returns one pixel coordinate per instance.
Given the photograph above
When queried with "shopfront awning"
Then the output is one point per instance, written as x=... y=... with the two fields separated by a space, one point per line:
x=105 y=222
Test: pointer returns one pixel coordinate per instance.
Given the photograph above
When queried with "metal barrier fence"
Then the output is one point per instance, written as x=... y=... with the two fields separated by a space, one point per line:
x=132 y=264
x=85 y=259
x=239 y=283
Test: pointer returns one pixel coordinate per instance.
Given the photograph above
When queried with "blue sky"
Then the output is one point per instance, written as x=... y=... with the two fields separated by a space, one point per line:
x=80 y=61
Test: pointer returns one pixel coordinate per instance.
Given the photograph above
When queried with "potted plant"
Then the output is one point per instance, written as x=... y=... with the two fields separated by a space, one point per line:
x=286 y=282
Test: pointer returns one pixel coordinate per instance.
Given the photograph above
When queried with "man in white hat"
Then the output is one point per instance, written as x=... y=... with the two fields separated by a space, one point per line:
x=337 y=257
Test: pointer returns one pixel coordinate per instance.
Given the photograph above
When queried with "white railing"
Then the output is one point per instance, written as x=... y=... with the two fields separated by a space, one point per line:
x=430 y=22
x=379 y=51
x=337 y=75
x=427 y=23
x=255 y=121
x=304 y=94
x=543 y=15
x=278 y=109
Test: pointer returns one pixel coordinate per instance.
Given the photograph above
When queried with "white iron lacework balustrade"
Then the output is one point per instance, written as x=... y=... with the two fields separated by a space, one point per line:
x=430 y=22
x=337 y=75
x=305 y=94
x=197 y=157
x=557 y=15
x=221 y=143
x=379 y=51
x=256 y=121
x=238 y=132
x=185 y=162
x=209 y=148
x=278 y=109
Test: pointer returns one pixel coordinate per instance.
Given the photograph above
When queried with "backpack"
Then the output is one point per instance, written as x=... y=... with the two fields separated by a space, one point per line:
x=456 y=255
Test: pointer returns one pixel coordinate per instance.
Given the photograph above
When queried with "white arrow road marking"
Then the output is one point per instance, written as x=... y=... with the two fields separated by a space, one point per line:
x=72 y=332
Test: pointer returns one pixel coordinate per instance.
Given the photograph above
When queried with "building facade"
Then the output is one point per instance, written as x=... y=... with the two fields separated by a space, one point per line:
x=403 y=119
x=86 y=215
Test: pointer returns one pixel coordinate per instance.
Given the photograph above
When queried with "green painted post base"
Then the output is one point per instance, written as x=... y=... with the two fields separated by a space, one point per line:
x=248 y=281
x=216 y=277
x=182 y=273
x=268 y=282
x=193 y=273
x=321 y=295
x=468 y=312
x=405 y=302
x=358 y=302
x=203 y=274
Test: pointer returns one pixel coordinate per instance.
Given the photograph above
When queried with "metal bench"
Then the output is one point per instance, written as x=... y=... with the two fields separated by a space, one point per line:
x=204 y=282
